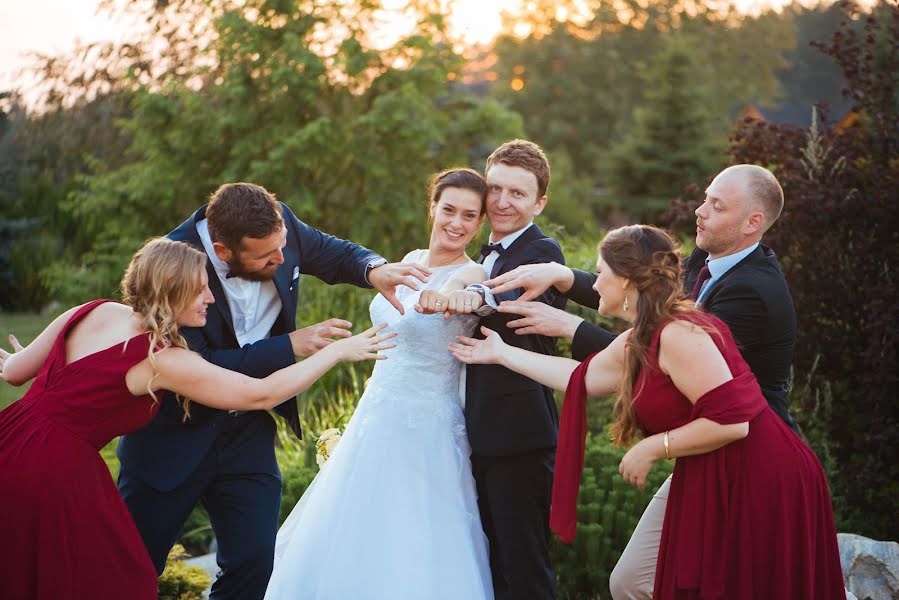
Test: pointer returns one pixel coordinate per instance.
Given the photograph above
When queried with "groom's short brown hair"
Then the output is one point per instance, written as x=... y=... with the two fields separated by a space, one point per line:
x=527 y=155
x=239 y=210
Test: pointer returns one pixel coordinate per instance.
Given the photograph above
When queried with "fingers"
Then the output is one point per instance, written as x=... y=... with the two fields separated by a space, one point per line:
x=374 y=329
x=409 y=282
x=419 y=271
x=390 y=296
x=517 y=307
x=329 y=332
x=487 y=331
x=16 y=346
x=501 y=279
x=530 y=291
x=507 y=286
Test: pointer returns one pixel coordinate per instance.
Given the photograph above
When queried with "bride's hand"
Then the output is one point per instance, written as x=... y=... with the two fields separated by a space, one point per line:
x=364 y=346
x=430 y=302
x=482 y=352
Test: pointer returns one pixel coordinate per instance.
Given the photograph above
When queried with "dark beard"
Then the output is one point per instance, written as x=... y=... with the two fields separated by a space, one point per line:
x=236 y=269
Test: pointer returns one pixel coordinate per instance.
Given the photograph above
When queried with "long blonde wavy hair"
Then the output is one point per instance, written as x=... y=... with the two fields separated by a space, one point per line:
x=651 y=260
x=161 y=279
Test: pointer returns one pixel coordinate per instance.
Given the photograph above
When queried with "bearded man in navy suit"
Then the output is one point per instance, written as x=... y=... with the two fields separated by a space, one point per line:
x=257 y=249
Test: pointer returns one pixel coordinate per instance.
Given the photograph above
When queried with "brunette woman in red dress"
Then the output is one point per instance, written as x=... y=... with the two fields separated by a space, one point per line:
x=99 y=370
x=749 y=513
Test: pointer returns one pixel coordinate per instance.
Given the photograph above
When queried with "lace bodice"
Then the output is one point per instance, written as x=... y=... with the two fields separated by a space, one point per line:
x=420 y=377
x=421 y=358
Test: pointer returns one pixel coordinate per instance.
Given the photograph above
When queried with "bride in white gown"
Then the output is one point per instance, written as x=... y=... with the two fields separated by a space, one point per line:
x=393 y=514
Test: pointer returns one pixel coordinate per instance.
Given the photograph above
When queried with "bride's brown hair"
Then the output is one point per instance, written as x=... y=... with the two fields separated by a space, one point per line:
x=650 y=259
x=161 y=279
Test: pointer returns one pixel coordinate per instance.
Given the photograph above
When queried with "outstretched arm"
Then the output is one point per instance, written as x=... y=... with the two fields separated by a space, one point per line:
x=682 y=347
x=186 y=373
x=23 y=364
x=552 y=371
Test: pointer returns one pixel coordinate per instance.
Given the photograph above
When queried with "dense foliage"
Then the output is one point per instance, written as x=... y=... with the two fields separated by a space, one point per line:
x=838 y=240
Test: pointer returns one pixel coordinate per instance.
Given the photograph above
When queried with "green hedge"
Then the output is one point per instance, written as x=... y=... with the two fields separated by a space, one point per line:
x=179 y=581
x=608 y=511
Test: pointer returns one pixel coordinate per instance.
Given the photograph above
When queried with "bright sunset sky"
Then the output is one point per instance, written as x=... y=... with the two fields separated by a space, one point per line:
x=26 y=25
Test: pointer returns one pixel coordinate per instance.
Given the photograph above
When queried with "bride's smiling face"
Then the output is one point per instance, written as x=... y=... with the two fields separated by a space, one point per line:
x=457 y=218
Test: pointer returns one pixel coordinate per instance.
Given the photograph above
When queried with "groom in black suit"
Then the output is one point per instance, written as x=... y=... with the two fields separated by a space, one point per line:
x=733 y=276
x=257 y=249
x=512 y=421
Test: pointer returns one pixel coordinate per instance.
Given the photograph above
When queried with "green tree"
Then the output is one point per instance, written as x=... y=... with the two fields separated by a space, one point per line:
x=575 y=82
x=670 y=144
x=345 y=134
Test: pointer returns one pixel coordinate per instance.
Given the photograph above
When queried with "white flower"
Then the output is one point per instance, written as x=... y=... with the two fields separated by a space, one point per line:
x=325 y=445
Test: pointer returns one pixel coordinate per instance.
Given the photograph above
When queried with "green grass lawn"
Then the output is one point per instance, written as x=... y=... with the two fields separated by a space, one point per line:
x=26 y=327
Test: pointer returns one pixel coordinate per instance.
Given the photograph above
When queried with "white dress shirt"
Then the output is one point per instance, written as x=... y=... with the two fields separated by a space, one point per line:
x=254 y=305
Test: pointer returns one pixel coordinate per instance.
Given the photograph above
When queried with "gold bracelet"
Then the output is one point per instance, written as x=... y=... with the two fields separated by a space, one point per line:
x=667 y=447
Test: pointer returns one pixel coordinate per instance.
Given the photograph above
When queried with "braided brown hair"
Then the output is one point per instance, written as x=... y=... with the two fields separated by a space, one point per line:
x=650 y=259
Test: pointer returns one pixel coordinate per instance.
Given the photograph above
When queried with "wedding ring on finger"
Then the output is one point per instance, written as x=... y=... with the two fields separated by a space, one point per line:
x=437 y=303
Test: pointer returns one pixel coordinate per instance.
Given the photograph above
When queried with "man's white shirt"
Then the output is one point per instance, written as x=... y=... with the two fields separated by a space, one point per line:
x=254 y=305
x=490 y=305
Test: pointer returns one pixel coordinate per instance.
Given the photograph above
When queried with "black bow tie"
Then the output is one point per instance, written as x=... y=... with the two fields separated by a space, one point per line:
x=486 y=249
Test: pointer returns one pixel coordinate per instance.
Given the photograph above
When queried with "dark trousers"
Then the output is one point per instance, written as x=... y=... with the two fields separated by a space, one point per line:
x=243 y=508
x=514 y=493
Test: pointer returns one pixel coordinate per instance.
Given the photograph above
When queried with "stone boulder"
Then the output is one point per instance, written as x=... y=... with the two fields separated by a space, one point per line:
x=870 y=567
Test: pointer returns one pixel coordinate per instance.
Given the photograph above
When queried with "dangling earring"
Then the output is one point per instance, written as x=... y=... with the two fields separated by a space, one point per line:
x=625 y=304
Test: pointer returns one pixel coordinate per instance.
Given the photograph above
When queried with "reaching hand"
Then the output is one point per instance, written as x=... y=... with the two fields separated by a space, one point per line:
x=637 y=463
x=481 y=352
x=534 y=279
x=309 y=340
x=430 y=302
x=4 y=355
x=364 y=346
x=541 y=319
x=387 y=277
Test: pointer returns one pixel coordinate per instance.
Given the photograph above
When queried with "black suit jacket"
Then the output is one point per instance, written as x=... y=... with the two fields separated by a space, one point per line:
x=167 y=451
x=507 y=413
x=753 y=300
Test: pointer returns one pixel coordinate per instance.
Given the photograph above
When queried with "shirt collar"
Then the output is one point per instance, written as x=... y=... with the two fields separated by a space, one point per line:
x=220 y=266
x=510 y=239
x=721 y=265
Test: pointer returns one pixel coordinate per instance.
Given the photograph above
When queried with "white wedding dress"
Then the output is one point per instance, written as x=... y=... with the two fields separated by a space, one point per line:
x=393 y=514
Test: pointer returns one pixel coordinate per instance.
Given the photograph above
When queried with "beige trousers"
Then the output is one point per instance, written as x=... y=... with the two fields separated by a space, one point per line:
x=634 y=575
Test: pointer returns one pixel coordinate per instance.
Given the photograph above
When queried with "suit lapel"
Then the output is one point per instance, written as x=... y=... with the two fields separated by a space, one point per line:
x=187 y=232
x=750 y=258
x=221 y=301
x=287 y=278
x=530 y=234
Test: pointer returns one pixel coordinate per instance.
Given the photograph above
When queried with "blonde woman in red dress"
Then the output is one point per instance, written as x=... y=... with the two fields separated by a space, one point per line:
x=99 y=371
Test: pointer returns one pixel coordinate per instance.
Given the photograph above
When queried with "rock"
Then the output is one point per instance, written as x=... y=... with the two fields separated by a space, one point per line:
x=870 y=567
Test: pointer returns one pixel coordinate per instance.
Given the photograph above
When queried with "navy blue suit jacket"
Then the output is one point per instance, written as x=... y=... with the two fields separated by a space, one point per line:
x=507 y=413
x=165 y=452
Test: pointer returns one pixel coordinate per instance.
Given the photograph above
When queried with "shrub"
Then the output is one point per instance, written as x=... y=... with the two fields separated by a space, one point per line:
x=608 y=511
x=179 y=581
x=197 y=532
x=295 y=478
x=838 y=240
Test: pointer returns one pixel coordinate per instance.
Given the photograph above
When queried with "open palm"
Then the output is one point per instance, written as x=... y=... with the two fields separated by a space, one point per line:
x=482 y=352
